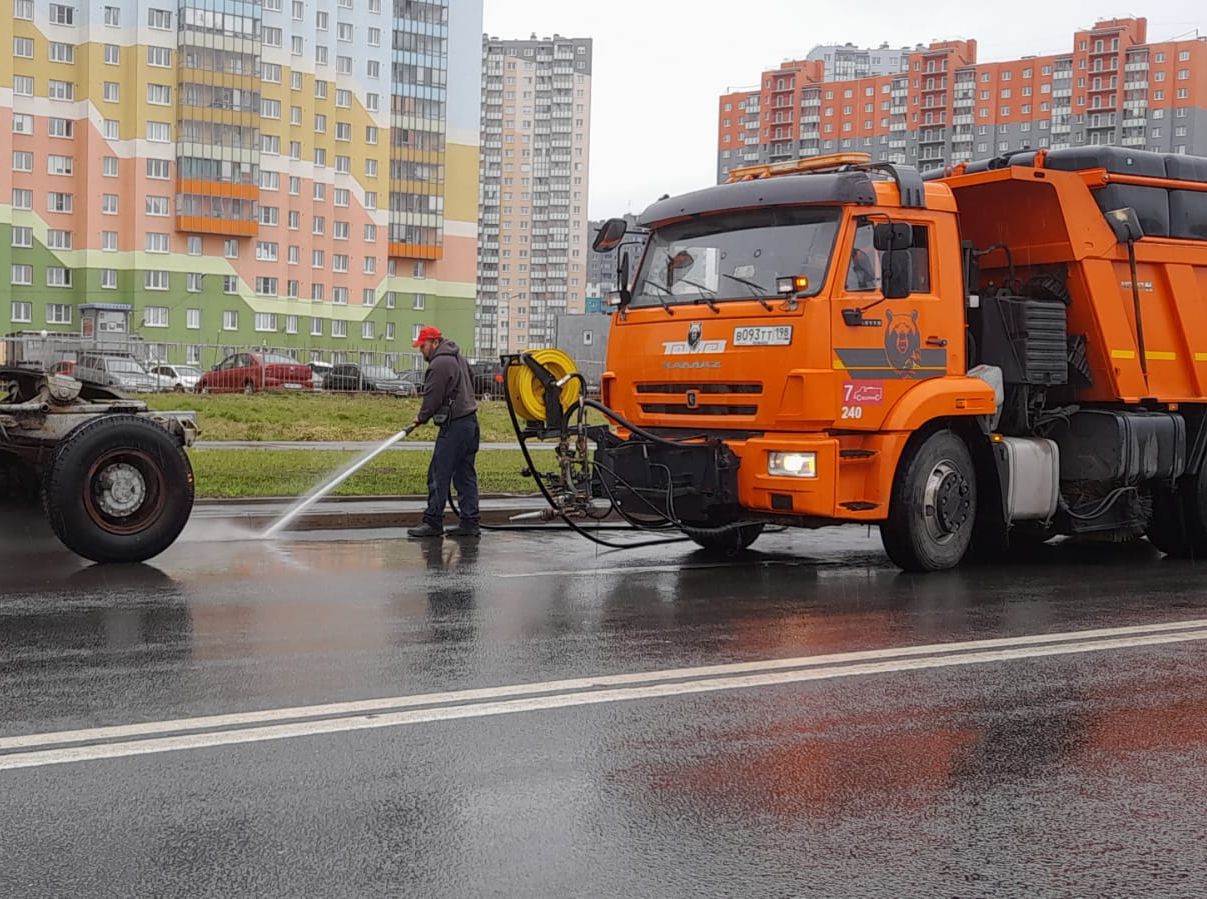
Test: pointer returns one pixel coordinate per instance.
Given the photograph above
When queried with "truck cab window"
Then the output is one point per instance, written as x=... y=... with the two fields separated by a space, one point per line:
x=921 y=253
x=863 y=272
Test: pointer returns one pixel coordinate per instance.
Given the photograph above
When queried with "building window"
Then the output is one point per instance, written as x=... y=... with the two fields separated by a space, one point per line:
x=155 y=317
x=193 y=282
x=109 y=241
x=266 y=321
x=156 y=206
x=316 y=327
x=23 y=9
x=109 y=166
x=58 y=314
x=23 y=47
x=230 y=249
x=22 y=236
x=155 y=280
x=22 y=275
x=58 y=276
x=22 y=312
x=58 y=239
x=23 y=123
x=339 y=296
x=23 y=198
x=160 y=19
x=366 y=330
x=420 y=302
x=62 y=15
x=159 y=132
x=230 y=320
x=157 y=242
x=266 y=287
x=61 y=90
x=23 y=161
x=60 y=202
x=109 y=278
x=291 y=324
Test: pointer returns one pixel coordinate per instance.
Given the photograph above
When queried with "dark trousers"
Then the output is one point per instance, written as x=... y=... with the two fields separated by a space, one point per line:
x=453 y=462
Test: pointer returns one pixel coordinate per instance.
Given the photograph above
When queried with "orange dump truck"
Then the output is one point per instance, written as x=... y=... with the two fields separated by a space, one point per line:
x=1008 y=350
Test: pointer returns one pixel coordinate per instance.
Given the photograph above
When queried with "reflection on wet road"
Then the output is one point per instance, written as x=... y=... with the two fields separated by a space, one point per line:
x=530 y=716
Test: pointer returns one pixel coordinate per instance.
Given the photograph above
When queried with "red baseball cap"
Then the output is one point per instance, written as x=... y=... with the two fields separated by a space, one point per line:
x=427 y=332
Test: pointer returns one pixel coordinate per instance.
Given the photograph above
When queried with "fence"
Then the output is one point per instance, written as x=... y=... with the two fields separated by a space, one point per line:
x=34 y=350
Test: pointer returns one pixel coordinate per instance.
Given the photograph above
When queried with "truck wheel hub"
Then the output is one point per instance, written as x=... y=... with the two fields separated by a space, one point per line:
x=947 y=502
x=121 y=490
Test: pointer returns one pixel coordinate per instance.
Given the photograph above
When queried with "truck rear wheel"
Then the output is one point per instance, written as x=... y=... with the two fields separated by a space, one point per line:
x=727 y=542
x=118 y=489
x=1179 y=523
x=933 y=505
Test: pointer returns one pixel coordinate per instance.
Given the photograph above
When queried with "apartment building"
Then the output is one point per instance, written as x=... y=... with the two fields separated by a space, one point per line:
x=842 y=62
x=536 y=134
x=1111 y=87
x=298 y=174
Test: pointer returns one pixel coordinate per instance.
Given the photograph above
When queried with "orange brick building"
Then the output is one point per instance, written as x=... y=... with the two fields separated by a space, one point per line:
x=1112 y=87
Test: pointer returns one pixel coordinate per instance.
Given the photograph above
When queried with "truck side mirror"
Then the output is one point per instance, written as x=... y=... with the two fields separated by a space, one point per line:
x=893 y=236
x=896 y=274
x=1126 y=224
x=622 y=279
x=609 y=236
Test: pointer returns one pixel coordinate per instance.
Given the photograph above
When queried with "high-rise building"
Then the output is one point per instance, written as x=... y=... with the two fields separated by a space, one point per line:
x=536 y=133
x=291 y=173
x=1113 y=87
x=843 y=62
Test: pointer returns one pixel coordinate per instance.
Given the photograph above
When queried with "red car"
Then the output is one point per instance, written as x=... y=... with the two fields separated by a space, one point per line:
x=250 y=372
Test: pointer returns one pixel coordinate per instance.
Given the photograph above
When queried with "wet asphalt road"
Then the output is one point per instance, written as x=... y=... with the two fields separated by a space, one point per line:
x=1075 y=773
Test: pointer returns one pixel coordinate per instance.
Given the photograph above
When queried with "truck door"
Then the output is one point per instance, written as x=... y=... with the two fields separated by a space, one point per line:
x=884 y=346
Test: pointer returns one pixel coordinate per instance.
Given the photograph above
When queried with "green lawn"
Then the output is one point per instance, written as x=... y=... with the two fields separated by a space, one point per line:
x=319 y=416
x=290 y=473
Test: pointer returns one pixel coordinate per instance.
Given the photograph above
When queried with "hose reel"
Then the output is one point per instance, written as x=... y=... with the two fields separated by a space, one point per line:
x=526 y=391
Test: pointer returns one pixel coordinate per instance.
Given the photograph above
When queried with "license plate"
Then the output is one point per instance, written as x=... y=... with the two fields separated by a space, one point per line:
x=763 y=335
x=289 y=386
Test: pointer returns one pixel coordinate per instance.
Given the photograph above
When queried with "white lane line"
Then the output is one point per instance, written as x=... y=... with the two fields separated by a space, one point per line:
x=391 y=703
x=41 y=758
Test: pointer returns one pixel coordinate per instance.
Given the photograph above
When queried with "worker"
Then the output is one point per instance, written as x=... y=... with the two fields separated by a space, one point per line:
x=448 y=401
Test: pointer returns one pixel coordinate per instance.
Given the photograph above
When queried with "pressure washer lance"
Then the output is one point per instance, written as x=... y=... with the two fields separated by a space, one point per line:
x=322 y=491
x=596 y=508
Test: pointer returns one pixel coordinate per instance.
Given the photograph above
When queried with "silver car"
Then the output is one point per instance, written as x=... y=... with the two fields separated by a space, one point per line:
x=118 y=370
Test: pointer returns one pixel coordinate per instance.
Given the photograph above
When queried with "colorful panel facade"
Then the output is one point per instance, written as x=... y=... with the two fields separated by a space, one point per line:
x=300 y=174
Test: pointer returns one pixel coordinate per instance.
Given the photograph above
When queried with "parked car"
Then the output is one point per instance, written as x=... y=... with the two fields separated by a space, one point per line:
x=412 y=382
x=318 y=371
x=373 y=378
x=251 y=372
x=177 y=378
x=488 y=380
x=119 y=370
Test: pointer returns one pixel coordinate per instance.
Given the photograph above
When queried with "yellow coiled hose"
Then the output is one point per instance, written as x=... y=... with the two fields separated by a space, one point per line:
x=528 y=394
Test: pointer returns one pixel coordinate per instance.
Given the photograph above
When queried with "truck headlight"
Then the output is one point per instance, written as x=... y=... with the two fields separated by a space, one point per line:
x=792 y=465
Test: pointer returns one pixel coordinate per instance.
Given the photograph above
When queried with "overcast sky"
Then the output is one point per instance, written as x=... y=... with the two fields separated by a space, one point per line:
x=660 y=65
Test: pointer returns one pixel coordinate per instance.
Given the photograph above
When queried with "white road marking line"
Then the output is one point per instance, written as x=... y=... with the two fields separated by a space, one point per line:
x=40 y=758
x=392 y=703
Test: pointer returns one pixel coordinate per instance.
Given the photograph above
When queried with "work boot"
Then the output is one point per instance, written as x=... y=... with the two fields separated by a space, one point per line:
x=425 y=530
x=464 y=530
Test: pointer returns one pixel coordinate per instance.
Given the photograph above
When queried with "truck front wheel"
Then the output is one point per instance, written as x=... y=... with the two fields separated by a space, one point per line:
x=118 y=489
x=933 y=505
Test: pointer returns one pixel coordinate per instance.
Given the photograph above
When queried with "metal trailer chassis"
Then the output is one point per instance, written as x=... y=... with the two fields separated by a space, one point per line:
x=111 y=476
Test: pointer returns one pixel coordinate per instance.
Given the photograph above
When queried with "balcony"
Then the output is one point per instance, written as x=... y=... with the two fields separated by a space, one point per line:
x=1136 y=66
x=1136 y=141
x=1136 y=85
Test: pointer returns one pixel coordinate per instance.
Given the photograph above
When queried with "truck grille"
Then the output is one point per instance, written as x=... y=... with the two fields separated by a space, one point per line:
x=709 y=388
x=701 y=399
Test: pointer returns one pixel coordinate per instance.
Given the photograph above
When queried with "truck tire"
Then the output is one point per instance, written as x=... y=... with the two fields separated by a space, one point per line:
x=933 y=505
x=1179 y=523
x=118 y=489
x=727 y=542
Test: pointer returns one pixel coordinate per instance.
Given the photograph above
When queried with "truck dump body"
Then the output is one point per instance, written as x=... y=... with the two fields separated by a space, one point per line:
x=1049 y=210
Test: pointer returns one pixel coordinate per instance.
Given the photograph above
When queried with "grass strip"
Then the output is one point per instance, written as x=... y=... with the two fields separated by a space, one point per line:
x=291 y=473
x=317 y=416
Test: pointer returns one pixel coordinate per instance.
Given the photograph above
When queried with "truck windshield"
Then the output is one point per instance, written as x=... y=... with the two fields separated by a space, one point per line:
x=736 y=256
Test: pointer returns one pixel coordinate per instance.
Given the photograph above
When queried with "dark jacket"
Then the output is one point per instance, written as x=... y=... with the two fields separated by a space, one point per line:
x=447 y=381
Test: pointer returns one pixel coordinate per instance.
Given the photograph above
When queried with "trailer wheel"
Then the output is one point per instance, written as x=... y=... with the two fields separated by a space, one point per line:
x=118 y=489
x=725 y=543
x=933 y=505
